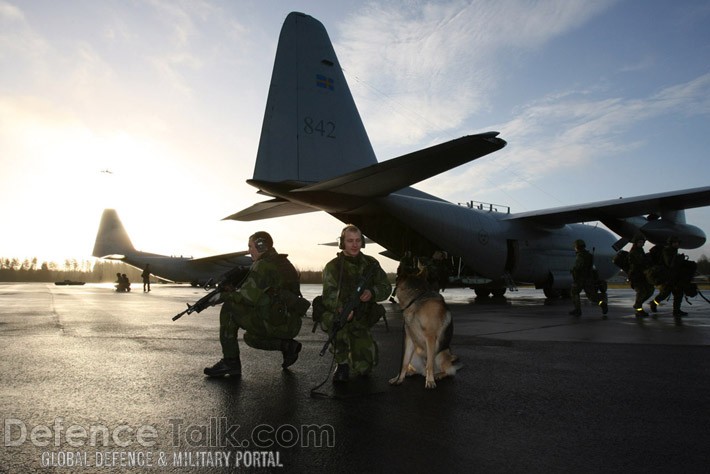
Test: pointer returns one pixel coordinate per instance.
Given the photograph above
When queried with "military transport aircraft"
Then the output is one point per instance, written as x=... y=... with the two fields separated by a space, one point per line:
x=314 y=154
x=112 y=242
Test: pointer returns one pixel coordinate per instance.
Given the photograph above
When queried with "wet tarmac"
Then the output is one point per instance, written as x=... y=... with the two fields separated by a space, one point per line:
x=96 y=381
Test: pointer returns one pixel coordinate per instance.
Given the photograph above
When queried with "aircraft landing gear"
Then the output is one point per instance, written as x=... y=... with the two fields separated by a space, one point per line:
x=555 y=293
x=482 y=292
x=486 y=292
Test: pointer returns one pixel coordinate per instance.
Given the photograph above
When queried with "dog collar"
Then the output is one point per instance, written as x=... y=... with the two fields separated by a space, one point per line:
x=416 y=298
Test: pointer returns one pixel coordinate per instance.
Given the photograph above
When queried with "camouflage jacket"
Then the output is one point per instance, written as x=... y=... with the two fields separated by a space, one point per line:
x=670 y=255
x=337 y=289
x=273 y=271
x=638 y=262
x=583 y=266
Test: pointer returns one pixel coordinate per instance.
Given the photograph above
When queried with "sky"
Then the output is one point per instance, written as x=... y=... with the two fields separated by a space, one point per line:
x=154 y=108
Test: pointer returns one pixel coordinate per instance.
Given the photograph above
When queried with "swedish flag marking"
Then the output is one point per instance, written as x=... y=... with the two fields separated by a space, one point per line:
x=325 y=82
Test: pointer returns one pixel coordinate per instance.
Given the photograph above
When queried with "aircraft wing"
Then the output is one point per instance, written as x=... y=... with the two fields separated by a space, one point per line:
x=618 y=208
x=388 y=176
x=268 y=209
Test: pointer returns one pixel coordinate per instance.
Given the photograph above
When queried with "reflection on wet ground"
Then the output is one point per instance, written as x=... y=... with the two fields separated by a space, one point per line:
x=538 y=388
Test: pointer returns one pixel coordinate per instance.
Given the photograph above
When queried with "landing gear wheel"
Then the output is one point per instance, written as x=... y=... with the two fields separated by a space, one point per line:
x=482 y=292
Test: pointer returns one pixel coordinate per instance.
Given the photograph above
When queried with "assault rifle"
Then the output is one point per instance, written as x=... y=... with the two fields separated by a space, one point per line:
x=350 y=305
x=235 y=276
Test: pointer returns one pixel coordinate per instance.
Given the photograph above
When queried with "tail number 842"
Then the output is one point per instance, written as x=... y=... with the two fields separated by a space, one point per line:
x=323 y=128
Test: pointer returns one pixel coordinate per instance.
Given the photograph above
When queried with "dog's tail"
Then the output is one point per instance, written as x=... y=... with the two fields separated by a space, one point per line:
x=454 y=364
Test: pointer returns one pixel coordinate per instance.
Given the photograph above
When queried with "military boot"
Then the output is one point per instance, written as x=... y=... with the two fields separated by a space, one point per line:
x=290 y=349
x=605 y=308
x=231 y=366
x=342 y=373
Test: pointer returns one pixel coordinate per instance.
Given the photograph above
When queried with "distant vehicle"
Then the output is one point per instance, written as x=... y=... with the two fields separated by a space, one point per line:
x=113 y=243
x=315 y=155
x=68 y=282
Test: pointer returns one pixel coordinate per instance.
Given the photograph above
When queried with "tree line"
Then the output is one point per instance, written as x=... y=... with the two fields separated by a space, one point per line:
x=31 y=270
x=102 y=271
x=89 y=271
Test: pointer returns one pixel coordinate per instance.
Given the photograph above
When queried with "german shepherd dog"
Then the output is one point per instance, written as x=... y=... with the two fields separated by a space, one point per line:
x=428 y=330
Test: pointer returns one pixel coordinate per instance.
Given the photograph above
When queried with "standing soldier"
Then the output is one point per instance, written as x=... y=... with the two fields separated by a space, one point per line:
x=638 y=264
x=583 y=278
x=355 y=349
x=674 y=285
x=146 y=277
x=264 y=306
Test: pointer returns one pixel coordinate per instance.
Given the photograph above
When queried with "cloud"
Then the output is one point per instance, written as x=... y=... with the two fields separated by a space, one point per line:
x=689 y=98
x=422 y=69
x=10 y=13
x=568 y=130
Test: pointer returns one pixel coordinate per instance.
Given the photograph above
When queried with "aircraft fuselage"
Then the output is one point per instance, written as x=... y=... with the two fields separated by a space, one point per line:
x=493 y=247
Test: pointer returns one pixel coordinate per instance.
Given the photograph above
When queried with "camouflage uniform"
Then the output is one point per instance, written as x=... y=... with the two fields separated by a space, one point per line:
x=672 y=261
x=438 y=271
x=353 y=344
x=638 y=264
x=583 y=278
x=258 y=307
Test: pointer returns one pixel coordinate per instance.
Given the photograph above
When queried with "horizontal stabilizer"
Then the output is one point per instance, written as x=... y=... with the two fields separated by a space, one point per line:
x=384 y=178
x=223 y=258
x=618 y=208
x=269 y=209
x=113 y=256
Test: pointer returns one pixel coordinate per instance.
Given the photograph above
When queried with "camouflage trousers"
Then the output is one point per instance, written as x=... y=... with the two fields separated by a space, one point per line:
x=590 y=291
x=262 y=330
x=666 y=290
x=643 y=289
x=355 y=346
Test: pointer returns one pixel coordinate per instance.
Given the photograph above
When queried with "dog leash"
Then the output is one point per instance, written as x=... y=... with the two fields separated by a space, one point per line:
x=701 y=295
x=314 y=391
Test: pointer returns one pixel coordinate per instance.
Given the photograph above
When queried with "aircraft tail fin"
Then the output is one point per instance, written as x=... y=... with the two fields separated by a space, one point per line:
x=312 y=130
x=112 y=240
x=314 y=152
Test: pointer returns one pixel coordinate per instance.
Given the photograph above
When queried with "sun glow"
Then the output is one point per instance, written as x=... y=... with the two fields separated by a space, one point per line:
x=75 y=172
